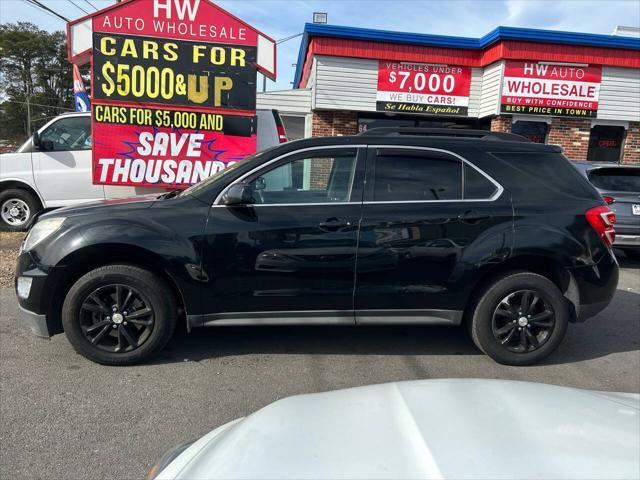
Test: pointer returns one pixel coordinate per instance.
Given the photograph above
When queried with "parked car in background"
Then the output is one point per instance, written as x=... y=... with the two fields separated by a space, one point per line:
x=450 y=228
x=57 y=173
x=429 y=429
x=620 y=188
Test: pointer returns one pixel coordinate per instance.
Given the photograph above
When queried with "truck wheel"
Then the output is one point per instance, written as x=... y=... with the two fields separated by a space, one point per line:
x=632 y=254
x=17 y=207
x=119 y=315
x=520 y=319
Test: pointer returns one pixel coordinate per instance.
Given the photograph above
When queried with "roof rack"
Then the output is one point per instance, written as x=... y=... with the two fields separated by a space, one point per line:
x=443 y=132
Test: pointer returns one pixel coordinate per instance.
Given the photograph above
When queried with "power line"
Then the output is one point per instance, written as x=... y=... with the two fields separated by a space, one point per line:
x=36 y=3
x=78 y=6
x=37 y=105
x=282 y=40
x=91 y=4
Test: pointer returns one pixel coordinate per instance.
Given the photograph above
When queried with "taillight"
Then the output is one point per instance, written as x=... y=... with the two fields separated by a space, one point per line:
x=282 y=135
x=602 y=220
x=608 y=199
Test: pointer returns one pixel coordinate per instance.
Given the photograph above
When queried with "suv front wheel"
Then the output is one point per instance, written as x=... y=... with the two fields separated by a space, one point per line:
x=119 y=315
x=520 y=319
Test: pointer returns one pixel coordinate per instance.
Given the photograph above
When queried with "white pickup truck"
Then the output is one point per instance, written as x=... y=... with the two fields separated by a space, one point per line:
x=57 y=172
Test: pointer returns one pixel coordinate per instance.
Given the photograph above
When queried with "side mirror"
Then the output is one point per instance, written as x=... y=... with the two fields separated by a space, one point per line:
x=238 y=194
x=36 y=140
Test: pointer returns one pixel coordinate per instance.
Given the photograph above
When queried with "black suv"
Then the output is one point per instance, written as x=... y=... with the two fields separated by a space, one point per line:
x=412 y=226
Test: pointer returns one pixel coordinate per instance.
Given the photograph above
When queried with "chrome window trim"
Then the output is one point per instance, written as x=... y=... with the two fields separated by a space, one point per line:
x=293 y=204
x=493 y=198
x=496 y=195
x=274 y=160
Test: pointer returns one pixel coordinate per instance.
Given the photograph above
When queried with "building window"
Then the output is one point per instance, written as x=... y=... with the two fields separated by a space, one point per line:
x=605 y=143
x=365 y=123
x=534 y=131
x=369 y=121
x=294 y=126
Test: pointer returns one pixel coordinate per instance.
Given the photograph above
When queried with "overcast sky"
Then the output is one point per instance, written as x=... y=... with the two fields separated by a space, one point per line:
x=283 y=18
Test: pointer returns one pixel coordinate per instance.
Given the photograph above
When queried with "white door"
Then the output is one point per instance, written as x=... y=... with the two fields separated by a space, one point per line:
x=62 y=164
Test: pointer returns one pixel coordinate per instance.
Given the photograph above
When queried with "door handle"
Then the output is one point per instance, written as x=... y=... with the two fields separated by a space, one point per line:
x=334 y=224
x=473 y=216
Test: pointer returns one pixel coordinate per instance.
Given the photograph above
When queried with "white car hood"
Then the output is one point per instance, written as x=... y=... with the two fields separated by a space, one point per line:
x=427 y=429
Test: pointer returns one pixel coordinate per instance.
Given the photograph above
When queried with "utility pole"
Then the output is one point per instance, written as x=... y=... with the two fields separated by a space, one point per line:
x=28 y=107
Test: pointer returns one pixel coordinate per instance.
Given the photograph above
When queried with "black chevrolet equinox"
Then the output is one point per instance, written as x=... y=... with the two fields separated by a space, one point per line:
x=394 y=226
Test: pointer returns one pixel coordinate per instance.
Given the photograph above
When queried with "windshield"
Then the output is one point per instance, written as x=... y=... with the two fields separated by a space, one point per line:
x=616 y=179
x=222 y=173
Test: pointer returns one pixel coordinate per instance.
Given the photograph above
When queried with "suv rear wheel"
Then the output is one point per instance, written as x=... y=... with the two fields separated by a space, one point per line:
x=17 y=207
x=520 y=319
x=119 y=315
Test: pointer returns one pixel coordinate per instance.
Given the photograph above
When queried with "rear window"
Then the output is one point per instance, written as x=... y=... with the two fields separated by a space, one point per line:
x=541 y=172
x=476 y=185
x=616 y=179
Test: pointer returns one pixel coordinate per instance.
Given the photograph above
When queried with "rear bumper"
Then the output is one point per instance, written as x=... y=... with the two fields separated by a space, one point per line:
x=589 y=310
x=627 y=241
x=594 y=287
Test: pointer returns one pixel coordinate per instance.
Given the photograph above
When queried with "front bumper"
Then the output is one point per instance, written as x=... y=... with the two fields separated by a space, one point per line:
x=35 y=301
x=37 y=322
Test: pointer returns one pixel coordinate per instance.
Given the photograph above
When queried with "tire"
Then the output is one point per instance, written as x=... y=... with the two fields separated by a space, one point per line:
x=86 y=312
x=632 y=254
x=495 y=312
x=23 y=203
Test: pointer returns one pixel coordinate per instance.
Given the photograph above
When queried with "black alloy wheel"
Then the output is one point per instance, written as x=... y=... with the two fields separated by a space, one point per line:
x=520 y=318
x=523 y=321
x=119 y=314
x=116 y=318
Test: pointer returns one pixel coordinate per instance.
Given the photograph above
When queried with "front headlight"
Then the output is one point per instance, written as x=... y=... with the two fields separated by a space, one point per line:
x=42 y=230
x=167 y=458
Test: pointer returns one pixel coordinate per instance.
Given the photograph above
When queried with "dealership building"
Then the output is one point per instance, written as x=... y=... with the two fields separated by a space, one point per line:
x=580 y=91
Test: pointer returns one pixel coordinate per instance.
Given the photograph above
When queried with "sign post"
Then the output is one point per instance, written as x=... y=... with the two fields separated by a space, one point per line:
x=174 y=89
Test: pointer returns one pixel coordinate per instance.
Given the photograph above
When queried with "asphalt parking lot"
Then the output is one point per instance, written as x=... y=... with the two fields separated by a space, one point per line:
x=62 y=416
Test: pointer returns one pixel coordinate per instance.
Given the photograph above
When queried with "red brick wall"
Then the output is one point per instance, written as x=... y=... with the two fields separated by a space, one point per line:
x=334 y=123
x=572 y=134
x=501 y=124
x=631 y=151
x=320 y=173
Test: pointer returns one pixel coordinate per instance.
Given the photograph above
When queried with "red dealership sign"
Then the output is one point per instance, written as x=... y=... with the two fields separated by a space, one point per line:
x=551 y=89
x=131 y=146
x=196 y=20
x=422 y=88
x=173 y=87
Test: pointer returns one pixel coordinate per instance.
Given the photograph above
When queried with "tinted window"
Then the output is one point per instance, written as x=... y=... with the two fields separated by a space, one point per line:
x=618 y=179
x=400 y=177
x=67 y=134
x=319 y=179
x=605 y=143
x=476 y=185
x=534 y=131
x=294 y=126
x=536 y=173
